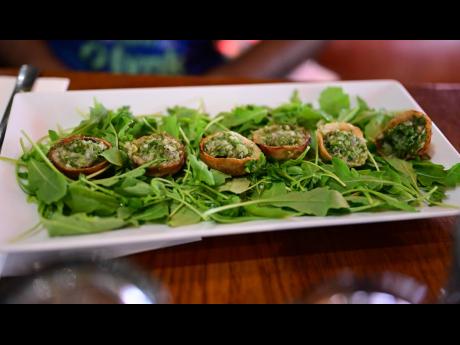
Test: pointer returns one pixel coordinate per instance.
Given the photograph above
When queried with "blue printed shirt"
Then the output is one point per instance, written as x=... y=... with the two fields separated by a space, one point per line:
x=170 y=57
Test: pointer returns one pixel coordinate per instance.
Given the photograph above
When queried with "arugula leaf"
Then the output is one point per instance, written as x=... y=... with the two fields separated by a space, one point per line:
x=341 y=168
x=219 y=218
x=346 y=115
x=256 y=165
x=192 y=122
x=133 y=187
x=98 y=112
x=200 y=171
x=111 y=181
x=158 y=188
x=295 y=98
x=80 y=224
x=184 y=216
x=375 y=125
x=309 y=117
x=333 y=99
x=219 y=177
x=268 y=212
x=403 y=167
x=439 y=195
x=125 y=212
x=401 y=205
x=276 y=189
x=363 y=106
x=296 y=113
x=49 y=185
x=135 y=203
x=115 y=156
x=53 y=135
x=155 y=212
x=453 y=176
x=315 y=202
x=236 y=185
x=81 y=199
x=170 y=126
x=244 y=115
x=429 y=173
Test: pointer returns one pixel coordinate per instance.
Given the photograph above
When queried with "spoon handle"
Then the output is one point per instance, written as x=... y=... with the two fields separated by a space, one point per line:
x=24 y=83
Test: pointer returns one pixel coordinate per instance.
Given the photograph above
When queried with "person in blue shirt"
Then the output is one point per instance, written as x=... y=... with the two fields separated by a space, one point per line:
x=165 y=57
x=170 y=57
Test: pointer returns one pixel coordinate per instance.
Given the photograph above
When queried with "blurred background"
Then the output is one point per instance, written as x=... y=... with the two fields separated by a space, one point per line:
x=409 y=61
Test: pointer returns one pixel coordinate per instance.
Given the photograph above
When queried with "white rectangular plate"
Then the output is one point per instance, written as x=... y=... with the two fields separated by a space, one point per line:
x=36 y=113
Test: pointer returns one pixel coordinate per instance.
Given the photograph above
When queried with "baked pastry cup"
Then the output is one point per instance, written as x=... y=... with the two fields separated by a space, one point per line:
x=406 y=136
x=344 y=141
x=159 y=146
x=228 y=152
x=79 y=154
x=282 y=142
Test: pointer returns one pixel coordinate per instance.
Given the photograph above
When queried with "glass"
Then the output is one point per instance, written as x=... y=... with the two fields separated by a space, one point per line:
x=387 y=288
x=87 y=282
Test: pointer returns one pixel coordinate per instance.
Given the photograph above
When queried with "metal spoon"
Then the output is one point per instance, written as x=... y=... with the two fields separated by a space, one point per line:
x=24 y=83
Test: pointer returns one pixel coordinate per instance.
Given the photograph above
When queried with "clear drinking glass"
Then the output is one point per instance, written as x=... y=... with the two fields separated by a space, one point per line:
x=87 y=282
x=387 y=288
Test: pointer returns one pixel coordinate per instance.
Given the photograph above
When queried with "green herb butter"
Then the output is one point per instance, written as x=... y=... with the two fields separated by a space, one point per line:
x=228 y=145
x=346 y=146
x=80 y=153
x=283 y=135
x=405 y=139
x=154 y=147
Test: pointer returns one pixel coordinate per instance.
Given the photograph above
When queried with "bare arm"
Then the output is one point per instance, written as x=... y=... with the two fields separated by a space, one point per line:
x=270 y=59
x=36 y=52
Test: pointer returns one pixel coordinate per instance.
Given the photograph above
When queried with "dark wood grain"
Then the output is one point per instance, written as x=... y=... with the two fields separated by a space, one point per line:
x=279 y=267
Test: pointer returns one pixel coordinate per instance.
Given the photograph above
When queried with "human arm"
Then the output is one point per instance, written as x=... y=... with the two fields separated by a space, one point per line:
x=270 y=59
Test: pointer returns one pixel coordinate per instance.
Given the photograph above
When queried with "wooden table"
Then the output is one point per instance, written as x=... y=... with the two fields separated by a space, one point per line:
x=278 y=267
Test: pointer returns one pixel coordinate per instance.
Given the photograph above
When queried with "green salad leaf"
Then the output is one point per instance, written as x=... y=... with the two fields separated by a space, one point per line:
x=48 y=185
x=333 y=100
x=80 y=223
